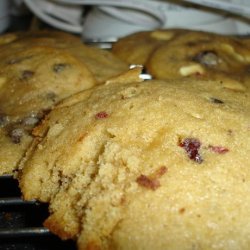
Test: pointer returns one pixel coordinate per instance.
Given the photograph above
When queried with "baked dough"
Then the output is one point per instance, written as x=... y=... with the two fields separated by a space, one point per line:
x=202 y=55
x=37 y=70
x=138 y=47
x=33 y=77
x=152 y=165
x=179 y=53
x=102 y=63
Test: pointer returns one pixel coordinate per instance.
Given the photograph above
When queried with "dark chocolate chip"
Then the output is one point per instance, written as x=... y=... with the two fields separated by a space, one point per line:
x=207 y=58
x=51 y=96
x=30 y=121
x=42 y=113
x=16 y=135
x=4 y=119
x=58 y=68
x=215 y=100
x=27 y=74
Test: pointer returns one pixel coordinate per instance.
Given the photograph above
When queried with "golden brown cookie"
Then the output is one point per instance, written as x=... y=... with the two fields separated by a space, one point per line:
x=201 y=55
x=102 y=63
x=38 y=69
x=152 y=165
x=137 y=47
x=33 y=77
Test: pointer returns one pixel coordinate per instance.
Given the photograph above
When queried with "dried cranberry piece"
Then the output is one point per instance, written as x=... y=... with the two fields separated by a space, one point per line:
x=101 y=115
x=160 y=172
x=219 y=149
x=192 y=146
x=152 y=181
x=147 y=182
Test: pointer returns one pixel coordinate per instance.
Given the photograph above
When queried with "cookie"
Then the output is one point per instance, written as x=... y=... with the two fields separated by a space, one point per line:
x=151 y=165
x=137 y=47
x=202 y=55
x=102 y=63
x=38 y=69
x=42 y=37
x=33 y=77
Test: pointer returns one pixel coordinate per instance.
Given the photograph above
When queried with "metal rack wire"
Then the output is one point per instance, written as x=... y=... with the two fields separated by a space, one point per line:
x=21 y=222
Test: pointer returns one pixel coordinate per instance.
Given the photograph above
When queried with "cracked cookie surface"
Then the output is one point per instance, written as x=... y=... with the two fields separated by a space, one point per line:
x=151 y=165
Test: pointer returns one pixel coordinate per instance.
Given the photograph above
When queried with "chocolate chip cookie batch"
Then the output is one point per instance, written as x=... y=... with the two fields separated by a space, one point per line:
x=37 y=70
x=127 y=163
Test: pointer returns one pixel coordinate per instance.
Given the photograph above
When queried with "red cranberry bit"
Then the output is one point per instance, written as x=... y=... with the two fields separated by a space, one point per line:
x=101 y=115
x=192 y=146
x=219 y=149
x=160 y=172
x=152 y=182
x=147 y=182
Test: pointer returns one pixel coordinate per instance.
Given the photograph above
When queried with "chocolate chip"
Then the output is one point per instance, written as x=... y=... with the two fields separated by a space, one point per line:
x=215 y=100
x=16 y=135
x=51 y=96
x=4 y=119
x=30 y=121
x=40 y=115
x=58 y=68
x=207 y=58
x=27 y=74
